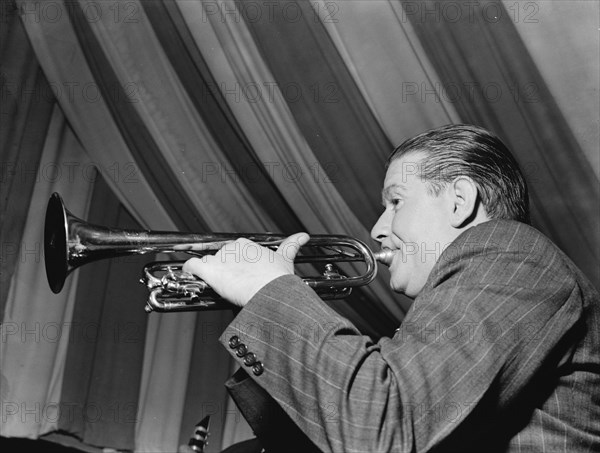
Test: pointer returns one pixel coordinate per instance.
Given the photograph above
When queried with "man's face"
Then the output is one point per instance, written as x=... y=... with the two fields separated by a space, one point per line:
x=414 y=224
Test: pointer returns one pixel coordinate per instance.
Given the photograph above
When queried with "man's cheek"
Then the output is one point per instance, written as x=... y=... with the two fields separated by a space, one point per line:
x=397 y=226
x=409 y=252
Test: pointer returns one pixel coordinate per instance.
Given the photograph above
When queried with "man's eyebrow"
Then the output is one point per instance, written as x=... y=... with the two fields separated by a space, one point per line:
x=385 y=193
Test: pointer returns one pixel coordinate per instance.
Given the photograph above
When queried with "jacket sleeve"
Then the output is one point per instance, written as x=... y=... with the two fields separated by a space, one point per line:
x=409 y=392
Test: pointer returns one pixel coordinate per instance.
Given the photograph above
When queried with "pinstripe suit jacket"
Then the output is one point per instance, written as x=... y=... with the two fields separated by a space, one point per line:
x=499 y=352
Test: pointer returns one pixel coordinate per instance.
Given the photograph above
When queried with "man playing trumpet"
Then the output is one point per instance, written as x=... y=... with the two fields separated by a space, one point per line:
x=500 y=350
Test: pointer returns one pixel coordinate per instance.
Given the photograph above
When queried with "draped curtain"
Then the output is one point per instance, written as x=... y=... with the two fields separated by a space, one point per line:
x=246 y=117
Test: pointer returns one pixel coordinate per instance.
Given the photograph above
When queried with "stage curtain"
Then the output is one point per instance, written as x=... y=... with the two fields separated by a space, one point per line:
x=25 y=111
x=37 y=324
x=563 y=54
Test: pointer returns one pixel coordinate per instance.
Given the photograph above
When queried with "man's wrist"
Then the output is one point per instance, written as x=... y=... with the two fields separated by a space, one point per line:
x=271 y=287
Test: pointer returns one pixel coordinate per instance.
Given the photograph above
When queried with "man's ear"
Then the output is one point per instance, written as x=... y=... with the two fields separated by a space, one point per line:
x=465 y=201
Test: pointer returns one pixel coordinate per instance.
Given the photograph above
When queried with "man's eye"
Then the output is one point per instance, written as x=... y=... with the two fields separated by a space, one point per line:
x=396 y=202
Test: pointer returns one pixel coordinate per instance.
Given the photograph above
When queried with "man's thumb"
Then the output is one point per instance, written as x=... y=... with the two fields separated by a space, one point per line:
x=197 y=266
x=291 y=245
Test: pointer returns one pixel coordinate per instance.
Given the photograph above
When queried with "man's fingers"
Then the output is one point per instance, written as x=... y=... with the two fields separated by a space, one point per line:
x=196 y=265
x=291 y=245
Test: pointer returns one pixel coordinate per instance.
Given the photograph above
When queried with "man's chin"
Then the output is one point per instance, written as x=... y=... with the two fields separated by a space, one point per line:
x=397 y=288
x=404 y=288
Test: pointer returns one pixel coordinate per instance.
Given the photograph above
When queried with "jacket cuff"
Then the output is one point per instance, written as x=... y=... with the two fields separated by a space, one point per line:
x=238 y=336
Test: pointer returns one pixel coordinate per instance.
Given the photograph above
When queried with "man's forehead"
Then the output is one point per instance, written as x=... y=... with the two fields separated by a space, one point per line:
x=407 y=163
x=403 y=170
x=392 y=187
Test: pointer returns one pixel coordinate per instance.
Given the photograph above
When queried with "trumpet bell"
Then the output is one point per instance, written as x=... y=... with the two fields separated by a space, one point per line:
x=56 y=251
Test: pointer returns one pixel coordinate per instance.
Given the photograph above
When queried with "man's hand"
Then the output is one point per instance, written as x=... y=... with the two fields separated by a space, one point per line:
x=241 y=268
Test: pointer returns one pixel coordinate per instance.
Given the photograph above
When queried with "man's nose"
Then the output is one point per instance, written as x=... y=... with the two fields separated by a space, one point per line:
x=382 y=227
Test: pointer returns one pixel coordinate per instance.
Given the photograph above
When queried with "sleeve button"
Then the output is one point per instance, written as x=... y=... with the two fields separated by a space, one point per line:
x=234 y=342
x=250 y=359
x=241 y=350
x=258 y=369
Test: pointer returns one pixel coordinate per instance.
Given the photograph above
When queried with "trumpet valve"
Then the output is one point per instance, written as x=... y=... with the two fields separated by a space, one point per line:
x=331 y=273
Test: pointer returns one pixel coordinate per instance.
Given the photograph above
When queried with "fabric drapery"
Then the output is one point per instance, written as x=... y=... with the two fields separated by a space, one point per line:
x=516 y=103
x=229 y=116
x=25 y=120
x=36 y=323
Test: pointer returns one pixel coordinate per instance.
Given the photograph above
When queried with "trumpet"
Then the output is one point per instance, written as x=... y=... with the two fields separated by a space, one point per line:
x=70 y=242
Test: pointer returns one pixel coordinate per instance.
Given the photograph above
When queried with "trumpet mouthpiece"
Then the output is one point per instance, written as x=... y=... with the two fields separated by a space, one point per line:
x=384 y=256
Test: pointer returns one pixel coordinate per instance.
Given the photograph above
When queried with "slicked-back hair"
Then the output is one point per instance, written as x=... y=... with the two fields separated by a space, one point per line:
x=451 y=151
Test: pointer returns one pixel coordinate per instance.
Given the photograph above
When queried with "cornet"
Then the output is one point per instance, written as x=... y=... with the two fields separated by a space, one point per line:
x=70 y=242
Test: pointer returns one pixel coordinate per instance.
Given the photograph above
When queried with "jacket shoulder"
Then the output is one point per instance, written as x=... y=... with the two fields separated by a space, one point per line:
x=504 y=252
